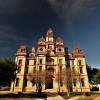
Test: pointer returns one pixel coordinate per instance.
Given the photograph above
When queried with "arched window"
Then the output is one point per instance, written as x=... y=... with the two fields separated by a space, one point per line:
x=60 y=68
x=82 y=82
x=50 y=61
x=17 y=81
x=20 y=61
x=74 y=82
x=60 y=61
x=40 y=68
x=81 y=70
x=34 y=69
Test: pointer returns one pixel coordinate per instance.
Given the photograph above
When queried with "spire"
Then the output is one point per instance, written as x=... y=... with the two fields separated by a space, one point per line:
x=41 y=39
x=50 y=32
x=59 y=40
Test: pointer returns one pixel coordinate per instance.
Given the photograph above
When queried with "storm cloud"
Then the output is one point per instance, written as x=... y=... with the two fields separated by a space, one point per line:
x=25 y=21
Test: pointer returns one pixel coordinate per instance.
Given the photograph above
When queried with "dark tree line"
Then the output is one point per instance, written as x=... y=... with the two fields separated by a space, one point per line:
x=7 y=68
x=93 y=74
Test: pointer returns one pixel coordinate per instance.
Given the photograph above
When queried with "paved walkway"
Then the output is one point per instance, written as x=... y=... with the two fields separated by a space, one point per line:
x=57 y=97
x=75 y=98
x=97 y=98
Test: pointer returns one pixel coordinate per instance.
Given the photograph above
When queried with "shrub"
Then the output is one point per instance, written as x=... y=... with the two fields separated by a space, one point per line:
x=94 y=89
x=87 y=94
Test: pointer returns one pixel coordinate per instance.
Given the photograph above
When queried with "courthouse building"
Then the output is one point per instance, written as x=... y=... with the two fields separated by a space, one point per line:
x=52 y=66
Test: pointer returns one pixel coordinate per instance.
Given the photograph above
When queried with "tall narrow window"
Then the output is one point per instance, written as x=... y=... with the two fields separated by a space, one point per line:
x=60 y=68
x=20 y=62
x=40 y=68
x=61 y=82
x=72 y=62
x=34 y=62
x=81 y=70
x=82 y=82
x=80 y=62
x=27 y=69
x=25 y=84
x=34 y=69
x=60 y=61
x=74 y=82
x=19 y=69
x=52 y=61
x=40 y=61
x=27 y=62
x=17 y=81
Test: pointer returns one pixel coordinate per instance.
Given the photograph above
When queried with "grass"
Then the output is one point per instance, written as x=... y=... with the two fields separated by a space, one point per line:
x=6 y=95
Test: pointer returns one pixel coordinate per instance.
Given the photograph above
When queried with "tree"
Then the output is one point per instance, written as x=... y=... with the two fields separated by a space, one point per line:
x=93 y=74
x=38 y=79
x=7 y=67
x=64 y=77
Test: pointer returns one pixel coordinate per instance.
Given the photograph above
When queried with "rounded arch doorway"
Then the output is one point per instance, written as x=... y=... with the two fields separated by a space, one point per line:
x=49 y=78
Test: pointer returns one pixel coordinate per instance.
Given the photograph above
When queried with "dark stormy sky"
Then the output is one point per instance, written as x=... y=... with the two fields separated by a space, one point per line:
x=76 y=21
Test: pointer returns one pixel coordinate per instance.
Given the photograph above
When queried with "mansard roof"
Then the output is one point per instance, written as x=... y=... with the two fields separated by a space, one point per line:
x=23 y=50
x=77 y=52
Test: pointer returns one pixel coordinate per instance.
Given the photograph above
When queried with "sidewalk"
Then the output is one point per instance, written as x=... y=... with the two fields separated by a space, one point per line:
x=55 y=98
x=75 y=98
x=97 y=98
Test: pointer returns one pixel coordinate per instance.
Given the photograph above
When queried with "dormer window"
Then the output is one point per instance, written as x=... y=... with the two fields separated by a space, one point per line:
x=41 y=49
x=59 y=49
x=21 y=50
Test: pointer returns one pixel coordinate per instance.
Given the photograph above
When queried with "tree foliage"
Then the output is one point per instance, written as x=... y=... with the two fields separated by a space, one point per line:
x=93 y=74
x=7 y=67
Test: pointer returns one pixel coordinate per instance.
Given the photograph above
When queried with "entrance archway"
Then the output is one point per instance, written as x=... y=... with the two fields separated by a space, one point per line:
x=49 y=78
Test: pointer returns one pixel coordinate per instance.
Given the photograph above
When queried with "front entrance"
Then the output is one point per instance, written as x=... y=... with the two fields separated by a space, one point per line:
x=49 y=83
x=49 y=78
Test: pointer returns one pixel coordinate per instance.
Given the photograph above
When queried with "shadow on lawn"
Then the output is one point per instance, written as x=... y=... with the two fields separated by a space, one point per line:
x=23 y=95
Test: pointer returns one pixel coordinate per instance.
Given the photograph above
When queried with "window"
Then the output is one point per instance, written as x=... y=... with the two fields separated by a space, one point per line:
x=27 y=62
x=40 y=61
x=25 y=84
x=17 y=81
x=41 y=49
x=82 y=82
x=81 y=70
x=72 y=62
x=61 y=82
x=19 y=69
x=22 y=50
x=20 y=62
x=60 y=68
x=60 y=61
x=40 y=68
x=52 y=61
x=80 y=62
x=49 y=47
x=27 y=69
x=59 y=49
x=74 y=82
x=34 y=62
x=34 y=69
